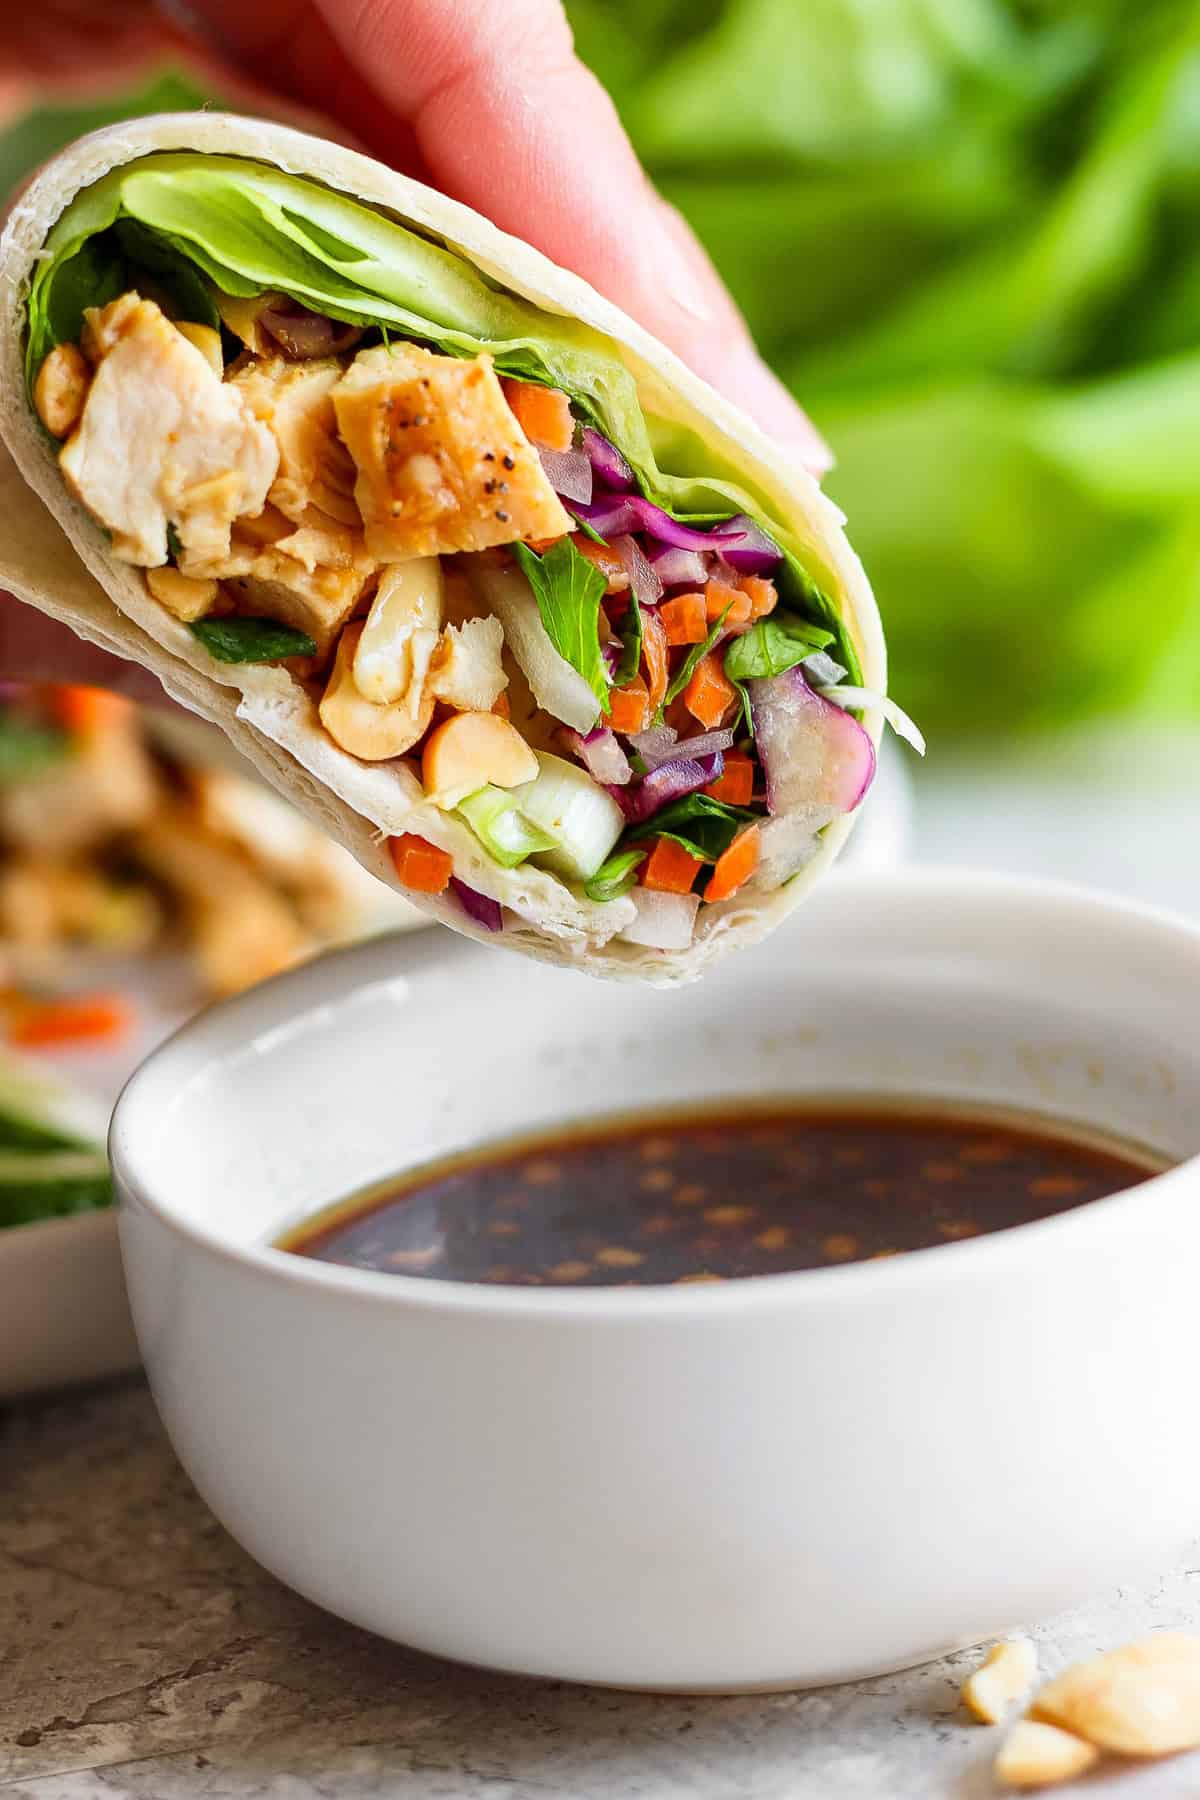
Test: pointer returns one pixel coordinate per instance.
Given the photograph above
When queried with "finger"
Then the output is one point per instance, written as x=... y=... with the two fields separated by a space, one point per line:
x=34 y=648
x=504 y=116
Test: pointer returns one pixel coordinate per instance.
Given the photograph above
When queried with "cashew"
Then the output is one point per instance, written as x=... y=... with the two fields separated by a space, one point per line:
x=1036 y=1756
x=367 y=730
x=61 y=389
x=180 y=594
x=407 y=600
x=1005 y=1674
x=472 y=749
x=207 y=341
x=1143 y=1700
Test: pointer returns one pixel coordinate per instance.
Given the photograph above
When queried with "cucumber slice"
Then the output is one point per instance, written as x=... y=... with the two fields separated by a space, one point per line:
x=51 y=1184
x=39 y=1112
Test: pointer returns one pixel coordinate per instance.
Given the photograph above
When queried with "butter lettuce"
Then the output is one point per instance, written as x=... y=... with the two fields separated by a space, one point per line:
x=246 y=229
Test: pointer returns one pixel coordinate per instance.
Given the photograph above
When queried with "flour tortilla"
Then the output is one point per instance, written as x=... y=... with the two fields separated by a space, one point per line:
x=55 y=557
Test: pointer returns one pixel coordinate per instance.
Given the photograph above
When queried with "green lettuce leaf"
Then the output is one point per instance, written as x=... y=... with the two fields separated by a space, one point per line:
x=568 y=589
x=247 y=228
x=27 y=746
x=630 y=633
x=704 y=826
x=251 y=640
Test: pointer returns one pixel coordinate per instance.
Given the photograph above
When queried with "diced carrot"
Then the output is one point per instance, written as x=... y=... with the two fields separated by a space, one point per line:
x=654 y=654
x=544 y=414
x=606 y=560
x=709 y=693
x=736 y=786
x=630 y=706
x=720 y=599
x=82 y=1019
x=735 y=867
x=420 y=864
x=669 y=868
x=760 y=593
x=502 y=707
x=86 y=709
x=684 y=619
x=539 y=546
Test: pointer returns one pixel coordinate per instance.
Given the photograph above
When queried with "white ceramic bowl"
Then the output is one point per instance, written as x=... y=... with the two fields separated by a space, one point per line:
x=789 y=1480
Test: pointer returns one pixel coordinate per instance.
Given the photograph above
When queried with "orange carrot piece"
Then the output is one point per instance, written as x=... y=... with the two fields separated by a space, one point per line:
x=760 y=593
x=630 y=706
x=684 y=619
x=420 y=864
x=718 y=599
x=710 y=693
x=502 y=707
x=735 y=867
x=86 y=709
x=544 y=414
x=606 y=560
x=736 y=785
x=80 y=1019
x=669 y=868
x=654 y=653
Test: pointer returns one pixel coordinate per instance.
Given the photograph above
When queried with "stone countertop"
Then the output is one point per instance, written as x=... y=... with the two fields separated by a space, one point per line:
x=143 y=1656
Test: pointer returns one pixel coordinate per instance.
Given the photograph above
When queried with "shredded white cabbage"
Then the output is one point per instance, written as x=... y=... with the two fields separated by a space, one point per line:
x=865 y=698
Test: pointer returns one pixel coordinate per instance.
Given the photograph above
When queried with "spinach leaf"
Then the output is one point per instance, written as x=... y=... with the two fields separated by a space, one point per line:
x=568 y=590
x=687 y=667
x=773 y=645
x=614 y=877
x=251 y=640
x=704 y=826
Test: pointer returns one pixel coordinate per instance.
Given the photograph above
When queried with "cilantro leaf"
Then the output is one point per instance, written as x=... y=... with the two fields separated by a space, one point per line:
x=614 y=877
x=704 y=826
x=568 y=590
x=251 y=640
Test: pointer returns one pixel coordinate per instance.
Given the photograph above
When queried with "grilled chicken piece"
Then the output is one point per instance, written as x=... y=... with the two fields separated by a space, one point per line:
x=315 y=468
x=442 y=463
x=278 y=587
x=108 y=784
x=163 y=440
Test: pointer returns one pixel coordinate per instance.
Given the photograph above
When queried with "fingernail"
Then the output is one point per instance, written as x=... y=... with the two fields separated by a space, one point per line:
x=747 y=379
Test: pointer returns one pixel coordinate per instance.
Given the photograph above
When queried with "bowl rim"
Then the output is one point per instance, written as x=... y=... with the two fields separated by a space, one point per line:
x=280 y=1004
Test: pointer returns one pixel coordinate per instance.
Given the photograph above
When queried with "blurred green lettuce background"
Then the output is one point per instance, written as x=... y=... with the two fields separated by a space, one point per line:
x=967 y=233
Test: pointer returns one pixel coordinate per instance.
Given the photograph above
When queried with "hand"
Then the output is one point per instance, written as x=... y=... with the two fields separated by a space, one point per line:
x=486 y=100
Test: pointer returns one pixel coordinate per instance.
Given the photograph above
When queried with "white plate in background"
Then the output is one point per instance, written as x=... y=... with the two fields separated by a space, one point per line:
x=63 y=1313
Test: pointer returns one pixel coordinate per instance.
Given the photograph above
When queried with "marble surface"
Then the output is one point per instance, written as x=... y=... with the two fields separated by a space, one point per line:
x=143 y=1656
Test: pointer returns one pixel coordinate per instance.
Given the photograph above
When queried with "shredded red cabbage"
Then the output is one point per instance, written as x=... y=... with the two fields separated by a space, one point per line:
x=655 y=756
x=477 y=906
x=607 y=462
x=743 y=544
x=642 y=799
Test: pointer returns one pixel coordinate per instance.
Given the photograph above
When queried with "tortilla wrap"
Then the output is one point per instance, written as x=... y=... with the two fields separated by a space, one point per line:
x=53 y=555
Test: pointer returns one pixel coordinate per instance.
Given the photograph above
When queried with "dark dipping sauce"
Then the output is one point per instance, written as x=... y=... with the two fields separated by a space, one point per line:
x=708 y=1195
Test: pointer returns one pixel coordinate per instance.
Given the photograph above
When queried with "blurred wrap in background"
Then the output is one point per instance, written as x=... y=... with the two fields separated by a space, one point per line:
x=966 y=233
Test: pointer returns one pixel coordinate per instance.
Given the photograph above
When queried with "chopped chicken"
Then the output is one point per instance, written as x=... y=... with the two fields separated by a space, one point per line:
x=277 y=587
x=243 y=930
x=185 y=598
x=315 y=468
x=163 y=440
x=442 y=463
x=466 y=671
